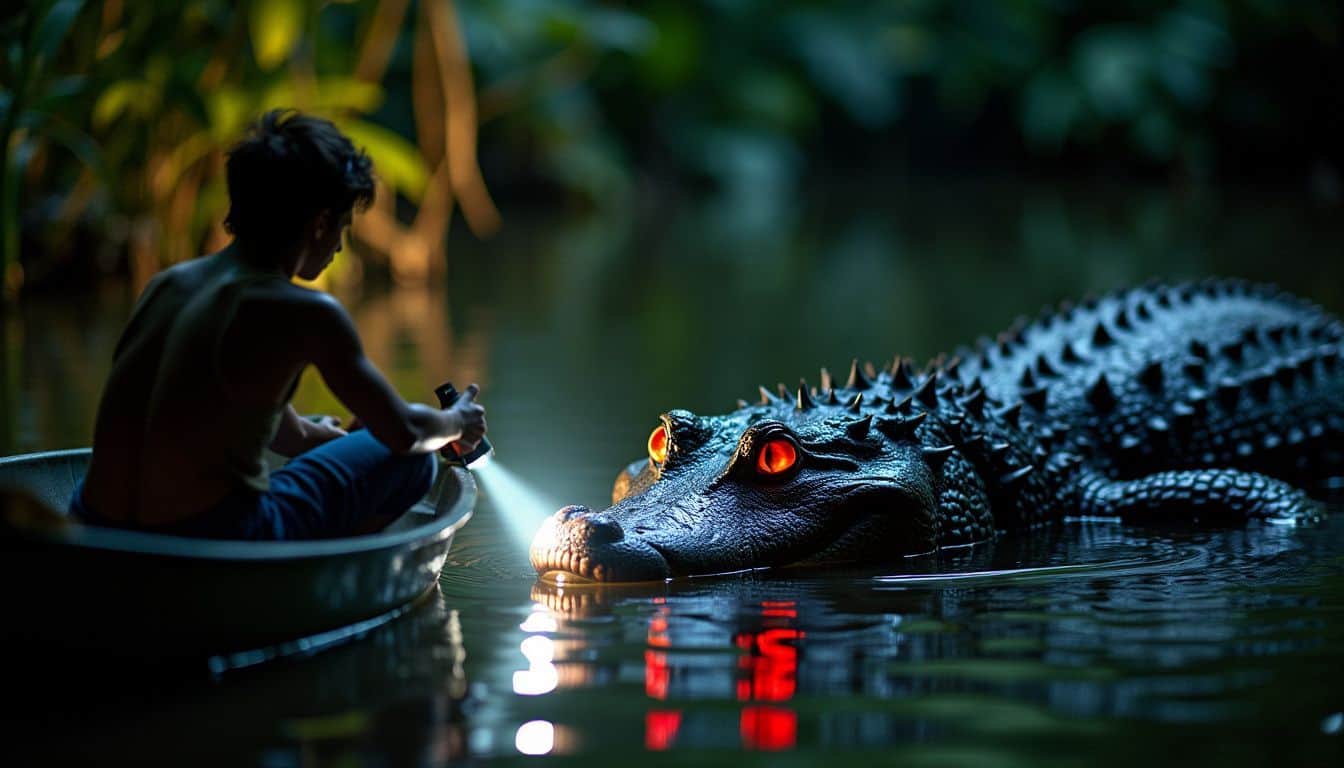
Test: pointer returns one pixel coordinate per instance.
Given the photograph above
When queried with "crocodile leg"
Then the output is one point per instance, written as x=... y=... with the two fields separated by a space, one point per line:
x=1211 y=495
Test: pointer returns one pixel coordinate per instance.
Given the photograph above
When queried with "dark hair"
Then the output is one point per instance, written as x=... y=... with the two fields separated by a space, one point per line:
x=289 y=168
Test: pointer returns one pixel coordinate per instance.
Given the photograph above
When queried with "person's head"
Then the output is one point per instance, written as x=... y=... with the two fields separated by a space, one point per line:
x=294 y=183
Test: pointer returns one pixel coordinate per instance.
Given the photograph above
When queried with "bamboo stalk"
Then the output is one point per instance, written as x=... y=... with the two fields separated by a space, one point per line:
x=380 y=40
x=455 y=70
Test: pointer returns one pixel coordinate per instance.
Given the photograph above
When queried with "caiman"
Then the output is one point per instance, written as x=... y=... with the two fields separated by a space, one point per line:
x=1213 y=402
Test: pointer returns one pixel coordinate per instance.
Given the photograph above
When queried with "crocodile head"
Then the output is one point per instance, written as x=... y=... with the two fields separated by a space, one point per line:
x=783 y=482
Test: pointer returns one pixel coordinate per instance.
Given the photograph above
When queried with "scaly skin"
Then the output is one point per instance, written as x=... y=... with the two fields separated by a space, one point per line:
x=1218 y=401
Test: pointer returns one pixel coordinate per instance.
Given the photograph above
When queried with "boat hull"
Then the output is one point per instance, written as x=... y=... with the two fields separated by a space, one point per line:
x=84 y=587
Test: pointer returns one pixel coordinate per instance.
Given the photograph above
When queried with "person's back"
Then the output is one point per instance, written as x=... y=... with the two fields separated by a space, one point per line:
x=174 y=434
x=204 y=370
x=214 y=408
x=112 y=483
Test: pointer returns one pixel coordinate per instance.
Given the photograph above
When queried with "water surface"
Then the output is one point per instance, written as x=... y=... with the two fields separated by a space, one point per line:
x=1084 y=644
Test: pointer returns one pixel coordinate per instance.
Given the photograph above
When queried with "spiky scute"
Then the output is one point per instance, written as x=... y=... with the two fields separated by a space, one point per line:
x=1217 y=399
x=1217 y=374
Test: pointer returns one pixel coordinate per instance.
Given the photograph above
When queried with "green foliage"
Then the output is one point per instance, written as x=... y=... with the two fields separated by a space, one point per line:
x=596 y=97
x=744 y=91
x=276 y=27
x=399 y=162
x=31 y=39
x=160 y=92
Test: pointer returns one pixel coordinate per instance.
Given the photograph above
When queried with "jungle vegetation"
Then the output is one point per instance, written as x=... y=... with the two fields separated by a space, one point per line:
x=114 y=115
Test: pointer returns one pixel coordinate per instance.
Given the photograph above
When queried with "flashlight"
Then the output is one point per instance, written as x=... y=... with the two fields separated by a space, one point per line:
x=448 y=395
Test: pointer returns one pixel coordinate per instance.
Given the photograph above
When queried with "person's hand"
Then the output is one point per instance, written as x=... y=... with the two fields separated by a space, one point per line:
x=471 y=417
x=321 y=429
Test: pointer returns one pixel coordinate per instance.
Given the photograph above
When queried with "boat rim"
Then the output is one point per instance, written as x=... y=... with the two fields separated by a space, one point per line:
x=443 y=523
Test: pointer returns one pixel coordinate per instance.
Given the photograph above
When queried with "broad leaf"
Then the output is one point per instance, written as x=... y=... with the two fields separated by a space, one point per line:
x=54 y=26
x=275 y=27
x=396 y=160
x=330 y=94
x=115 y=100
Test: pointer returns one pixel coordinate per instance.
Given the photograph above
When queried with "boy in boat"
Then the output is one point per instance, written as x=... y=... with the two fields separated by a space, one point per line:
x=205 y=368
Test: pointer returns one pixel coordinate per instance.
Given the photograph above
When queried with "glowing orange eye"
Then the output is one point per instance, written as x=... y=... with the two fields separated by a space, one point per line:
x=776 y=456
x=658 y=445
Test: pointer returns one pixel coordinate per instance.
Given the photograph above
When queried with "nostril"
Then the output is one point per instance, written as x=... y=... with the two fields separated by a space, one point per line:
x=601 y=528
x=565 y=514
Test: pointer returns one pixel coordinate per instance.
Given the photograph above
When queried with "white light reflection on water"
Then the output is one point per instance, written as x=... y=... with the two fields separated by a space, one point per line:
x=540 y=620
x=521 y=506
x=535 y=737
x=541 y=676
x=538 y=649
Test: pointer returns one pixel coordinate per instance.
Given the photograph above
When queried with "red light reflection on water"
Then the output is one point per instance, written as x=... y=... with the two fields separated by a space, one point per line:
x=771 y=665
x=767 y=672
x=657 y=671
x=660 y=728
x=769 y=728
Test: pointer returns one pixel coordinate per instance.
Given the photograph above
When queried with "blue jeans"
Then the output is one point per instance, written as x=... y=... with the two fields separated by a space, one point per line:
x=349 y=485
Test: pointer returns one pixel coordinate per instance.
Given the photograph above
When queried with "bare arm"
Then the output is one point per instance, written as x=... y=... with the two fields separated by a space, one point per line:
x=403 y=427
x=297 y=434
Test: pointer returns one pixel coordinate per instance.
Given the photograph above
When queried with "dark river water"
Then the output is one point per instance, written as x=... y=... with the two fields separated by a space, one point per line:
x=1084 y=644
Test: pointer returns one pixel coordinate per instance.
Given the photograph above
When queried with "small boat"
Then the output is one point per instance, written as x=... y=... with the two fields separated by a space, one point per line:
x=68 y=587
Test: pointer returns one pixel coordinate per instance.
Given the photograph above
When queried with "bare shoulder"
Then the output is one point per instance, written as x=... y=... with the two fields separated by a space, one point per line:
x=298 y=313
x=191 y=273
x=313 y=306
x=184 y=279
x=184 y=276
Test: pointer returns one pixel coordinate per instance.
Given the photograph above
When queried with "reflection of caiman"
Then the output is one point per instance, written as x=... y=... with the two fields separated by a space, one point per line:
x=1217 y=401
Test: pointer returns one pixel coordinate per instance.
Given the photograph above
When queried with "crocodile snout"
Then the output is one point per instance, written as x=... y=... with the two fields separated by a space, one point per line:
x=576 y=541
